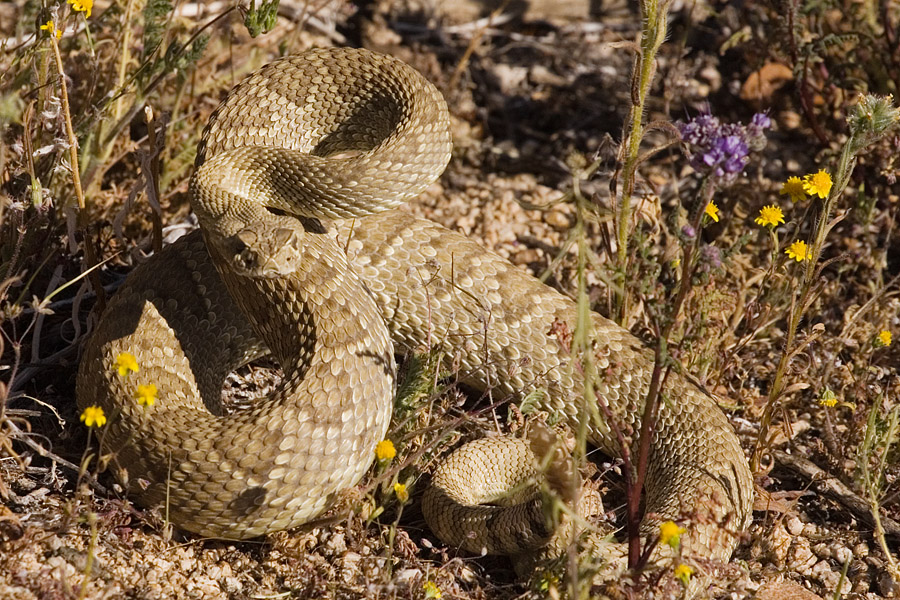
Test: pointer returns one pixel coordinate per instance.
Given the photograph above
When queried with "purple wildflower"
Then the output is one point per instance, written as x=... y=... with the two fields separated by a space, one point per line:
x=722 y=151
x=710 y=258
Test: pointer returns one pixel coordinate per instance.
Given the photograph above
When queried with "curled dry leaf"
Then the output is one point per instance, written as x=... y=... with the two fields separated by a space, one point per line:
x=762 y=84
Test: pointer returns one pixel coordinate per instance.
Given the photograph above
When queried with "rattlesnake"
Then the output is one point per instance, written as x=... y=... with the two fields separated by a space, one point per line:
x=342 y=134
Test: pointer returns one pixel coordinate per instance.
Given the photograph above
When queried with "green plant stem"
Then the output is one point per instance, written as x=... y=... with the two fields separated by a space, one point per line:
x=653 y=32
x=121 y=82
x=92 y=548
x=872 y=482
x=581 y=347
x=799 y=303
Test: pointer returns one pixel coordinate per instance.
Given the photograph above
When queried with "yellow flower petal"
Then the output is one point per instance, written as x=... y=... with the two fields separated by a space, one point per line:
x=794 y=187
x=712 y=211
x=884 y=338
x=146 y=394
x=818 y=184
x=431 y=590
x=770 y=216
x=84 y=6
x=384 y=450
x=670 y=534
x=683 y=573
x=50 y=27
x=799 y=251
x=93 y=416
x=828 y=399
x=126 y=363
x=401 y=492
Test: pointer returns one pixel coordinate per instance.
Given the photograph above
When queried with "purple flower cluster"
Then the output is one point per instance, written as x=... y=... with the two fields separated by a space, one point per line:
x=722 y=150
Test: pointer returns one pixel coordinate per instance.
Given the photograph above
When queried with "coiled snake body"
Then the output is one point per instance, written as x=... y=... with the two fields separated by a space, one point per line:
x=334 y=134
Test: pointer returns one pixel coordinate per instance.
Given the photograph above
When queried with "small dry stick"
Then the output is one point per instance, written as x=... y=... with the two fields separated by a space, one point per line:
x=90 y=257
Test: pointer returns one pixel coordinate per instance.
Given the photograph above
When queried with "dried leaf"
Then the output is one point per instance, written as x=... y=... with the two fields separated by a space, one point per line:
x=762 y=84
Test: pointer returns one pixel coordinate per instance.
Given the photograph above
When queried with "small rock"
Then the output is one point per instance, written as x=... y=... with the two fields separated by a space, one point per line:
x=350 y=566
x=557 y=219
x=510 y=78
x=779 y=544
x=526 y=257
x=887 y=585
x=406 y=575
x=336 y=544
x=842 y=554
x=801 y=557
x=543 y=76
x=713 y=76
x=785 y=590
x=829 y=578
x=789 y=119
x=822 y=550
x=231 y=585
x=794 y=525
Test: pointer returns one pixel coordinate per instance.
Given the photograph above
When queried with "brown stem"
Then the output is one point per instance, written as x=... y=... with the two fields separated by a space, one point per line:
x=90 y=256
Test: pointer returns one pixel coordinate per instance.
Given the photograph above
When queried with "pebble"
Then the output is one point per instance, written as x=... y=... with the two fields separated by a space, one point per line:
x=526 y=257
x=801 y=557
x=779 y=544
x=794 y=525
x=556 y=219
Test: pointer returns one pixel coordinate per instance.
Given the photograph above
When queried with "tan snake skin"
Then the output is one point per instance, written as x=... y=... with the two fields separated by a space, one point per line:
x=334 y=134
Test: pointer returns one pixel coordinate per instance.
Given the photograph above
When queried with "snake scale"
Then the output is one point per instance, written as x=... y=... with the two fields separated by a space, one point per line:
x=344 y=135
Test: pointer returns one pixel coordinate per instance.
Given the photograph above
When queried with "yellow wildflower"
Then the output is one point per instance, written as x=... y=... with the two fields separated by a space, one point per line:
x=549 y=581
x=146 y=394
x=817 y=184
x=93 y=416
x=828 y=399
x=884 y=338
x=770 y=216
x=799 y=251
x=794 y=187
x=683 y=573
x=50 y=28
x=84 y=6
x=401 y=492
x=126 y=363
x=670 y=534
x=712 y=211
x=384 y=450
x=431 y=590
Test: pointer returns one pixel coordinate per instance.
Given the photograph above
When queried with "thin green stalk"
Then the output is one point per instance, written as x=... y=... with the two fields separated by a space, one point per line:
x=872 y=482
x=92 y=548
x=581 y=347
x=800 y=303
x=870 y=120
x=121 y=83
x=654 y=18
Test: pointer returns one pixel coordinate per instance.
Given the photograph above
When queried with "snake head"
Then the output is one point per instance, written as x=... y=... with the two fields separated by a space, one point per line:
x=253 y=254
